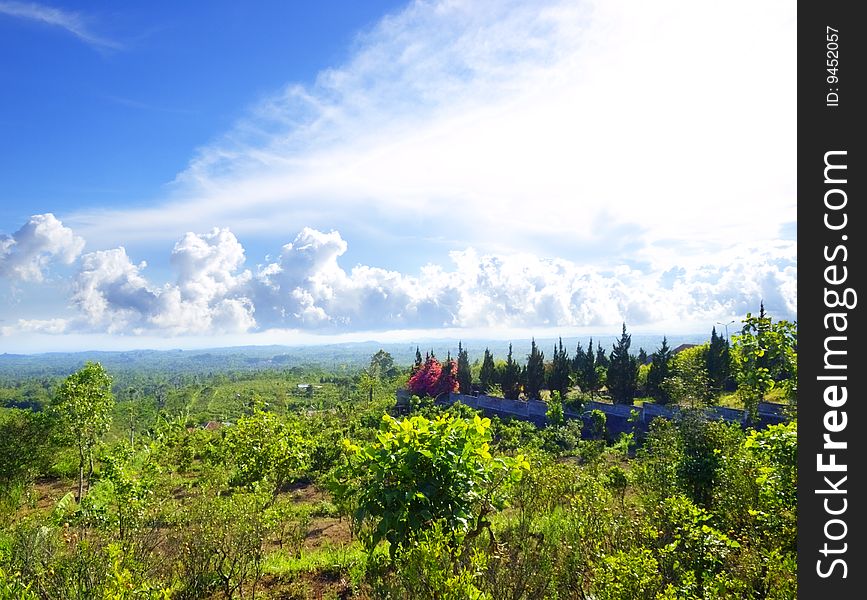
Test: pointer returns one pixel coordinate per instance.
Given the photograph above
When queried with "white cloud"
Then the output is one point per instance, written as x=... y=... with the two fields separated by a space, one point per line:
x=207 y=265
x=308 y=289
x=37 y=326
x=515 y=126
x=115 y=297
x=28 y=252
x=72 y=22
x=112 y=293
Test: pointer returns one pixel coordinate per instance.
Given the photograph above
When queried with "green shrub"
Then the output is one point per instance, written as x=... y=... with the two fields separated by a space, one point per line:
x=422 y=472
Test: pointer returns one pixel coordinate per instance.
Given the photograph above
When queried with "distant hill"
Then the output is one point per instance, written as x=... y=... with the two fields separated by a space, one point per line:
x=327 y=356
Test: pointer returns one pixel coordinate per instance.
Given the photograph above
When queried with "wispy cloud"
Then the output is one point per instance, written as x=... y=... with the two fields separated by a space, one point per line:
x=594 y=129
x=72 y=22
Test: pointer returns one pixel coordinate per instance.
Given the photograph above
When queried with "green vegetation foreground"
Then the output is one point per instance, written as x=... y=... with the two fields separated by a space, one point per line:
x=304 y=490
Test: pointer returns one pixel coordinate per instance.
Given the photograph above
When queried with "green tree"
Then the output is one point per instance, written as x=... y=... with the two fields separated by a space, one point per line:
x=421 y=472
x=382 y=365
x=83 y=404
x=718 y=362
x=578 y=364
x=488 y=372
x=465 y=376
x=602 y=360
x=592 y=375
x=418 y=360
x=660 y=370
x=622 y=371
x=511 y=377
x=765 y=356
x=560 y=370
x=688 y=383
x=264 y=451
x=535 y=375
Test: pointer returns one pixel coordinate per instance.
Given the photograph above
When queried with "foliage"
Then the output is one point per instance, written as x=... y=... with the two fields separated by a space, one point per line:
x=689 y=384
x=83 y=405
x=27 y=442
x=764 y=356
x=591 y=376
x=627 y=574
x=718 y=362
x=561 y=367
x=510 y=378
x=659 y=372
x=598 y=421
x=433 y=568
x=264 y=452
x=434 y=378
x=693 y=509
x=220 y=544
x=773 y=454
x=464 y=375
x=420 y=472
x=692 y=552
x=555 y=416
x=124 y=493
x=535 y=373
x=488 y=372
x=382 y=365
x=563 y=439
x=622 y=371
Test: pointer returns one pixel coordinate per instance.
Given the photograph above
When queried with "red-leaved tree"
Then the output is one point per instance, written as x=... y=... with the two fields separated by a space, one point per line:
x=433 y=378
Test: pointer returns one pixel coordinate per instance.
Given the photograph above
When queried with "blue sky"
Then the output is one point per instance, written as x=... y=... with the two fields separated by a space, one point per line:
x=178 y=175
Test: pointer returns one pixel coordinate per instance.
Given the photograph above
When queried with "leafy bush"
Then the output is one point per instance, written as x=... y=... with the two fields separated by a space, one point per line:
x=263 y=450
x=421 y=472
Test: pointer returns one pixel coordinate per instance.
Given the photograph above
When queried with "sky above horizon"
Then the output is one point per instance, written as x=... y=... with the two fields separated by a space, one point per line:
x=324 y=171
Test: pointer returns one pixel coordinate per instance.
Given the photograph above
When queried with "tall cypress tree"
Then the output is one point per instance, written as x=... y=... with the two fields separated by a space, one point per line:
x=465 y=376
x=590 y=375
x=488 y=372
x=601 y=359
x=561 y=368
x=418 y=360
x=622 y=371
x=660 y=370
x=535 y=377
x=718 y=370
x=511 y=377
x=578 y=362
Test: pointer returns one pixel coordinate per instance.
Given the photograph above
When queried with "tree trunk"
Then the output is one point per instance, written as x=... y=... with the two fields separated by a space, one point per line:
x=90 y=468
x=80 y=474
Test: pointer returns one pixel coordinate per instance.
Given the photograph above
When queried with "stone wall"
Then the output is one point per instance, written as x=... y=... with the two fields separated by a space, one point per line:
x=619 y=417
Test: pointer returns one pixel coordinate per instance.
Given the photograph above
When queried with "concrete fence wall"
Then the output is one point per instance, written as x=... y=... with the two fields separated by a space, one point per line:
x=619 y=417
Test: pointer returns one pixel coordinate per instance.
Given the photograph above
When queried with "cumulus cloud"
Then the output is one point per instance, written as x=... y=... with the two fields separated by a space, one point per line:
x=27 y=253
x=307 y=288
x=208 y=264
x=207 y=298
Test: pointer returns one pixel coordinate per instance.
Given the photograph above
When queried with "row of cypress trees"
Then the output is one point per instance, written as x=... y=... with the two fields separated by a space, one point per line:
x=589 y=369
